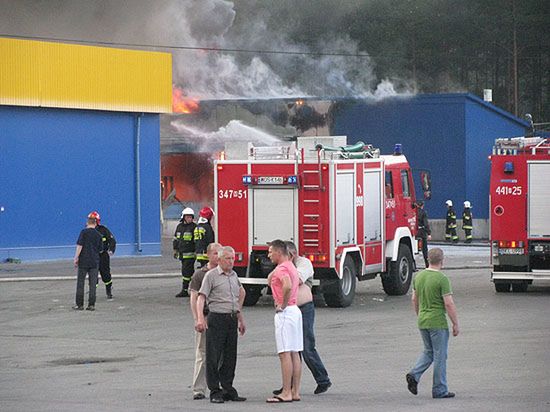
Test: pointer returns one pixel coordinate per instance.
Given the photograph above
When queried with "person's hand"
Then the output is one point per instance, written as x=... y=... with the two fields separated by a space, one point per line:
x=242 y=326
x=75 y=262
x=429 y=237
x=110 y=252
x=176 y=255
x=278 y=308
x=455 y=330
x=201 y=326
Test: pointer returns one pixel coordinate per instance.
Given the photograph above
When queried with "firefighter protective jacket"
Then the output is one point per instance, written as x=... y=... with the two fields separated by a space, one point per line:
x=204 y=235
x=108 y=239
x=423 y=224
x=467 y=219
x=451 y=218
x=184 y=241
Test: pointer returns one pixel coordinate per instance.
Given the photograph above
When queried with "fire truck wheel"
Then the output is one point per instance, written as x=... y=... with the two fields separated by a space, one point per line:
x=343 y=295
x=502 y=287
x=398 y=279
x=519 y=287
x=252 y=296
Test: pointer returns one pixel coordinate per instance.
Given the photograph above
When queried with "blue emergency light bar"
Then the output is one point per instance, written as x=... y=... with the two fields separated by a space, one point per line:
x=270 y=180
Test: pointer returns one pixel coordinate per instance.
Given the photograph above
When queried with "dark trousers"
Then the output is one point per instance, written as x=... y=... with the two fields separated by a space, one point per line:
x=92 y=282
x=105 y=268
x=221 y=354
x=424 y=246
x=187 y=270
x=310 y=354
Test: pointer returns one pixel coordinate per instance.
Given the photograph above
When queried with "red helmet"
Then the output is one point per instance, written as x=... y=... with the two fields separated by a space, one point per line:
x=94 y=215
x=207 y=213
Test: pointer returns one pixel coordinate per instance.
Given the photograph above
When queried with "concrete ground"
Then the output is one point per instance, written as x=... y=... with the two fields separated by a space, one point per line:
x=136 y=352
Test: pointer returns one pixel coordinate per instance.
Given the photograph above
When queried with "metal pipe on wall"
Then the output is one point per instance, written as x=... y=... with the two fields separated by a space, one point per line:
x=138 y=181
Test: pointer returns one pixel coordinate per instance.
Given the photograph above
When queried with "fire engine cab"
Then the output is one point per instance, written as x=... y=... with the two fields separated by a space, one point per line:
x=348 y=209
x=520 y=212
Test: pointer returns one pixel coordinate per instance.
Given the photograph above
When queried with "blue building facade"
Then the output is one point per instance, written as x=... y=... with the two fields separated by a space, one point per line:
x=57 y=165
x=451 y=135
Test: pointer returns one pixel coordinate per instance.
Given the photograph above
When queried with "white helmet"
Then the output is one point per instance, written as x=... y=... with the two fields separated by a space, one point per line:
x=449 y=202
x=187 y=211
x=467 y=204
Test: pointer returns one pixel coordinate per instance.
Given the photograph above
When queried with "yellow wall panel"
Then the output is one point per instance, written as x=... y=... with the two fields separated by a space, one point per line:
x=34 y=73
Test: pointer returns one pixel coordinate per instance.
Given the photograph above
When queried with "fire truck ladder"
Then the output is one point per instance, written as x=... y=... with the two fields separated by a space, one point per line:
x=312 y=187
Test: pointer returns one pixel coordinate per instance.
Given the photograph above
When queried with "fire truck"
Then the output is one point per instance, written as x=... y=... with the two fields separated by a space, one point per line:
x=520 y=212
x=349 y=210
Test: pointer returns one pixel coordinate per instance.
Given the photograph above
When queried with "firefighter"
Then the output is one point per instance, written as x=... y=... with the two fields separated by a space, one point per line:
x=467 y=220
x=424 y=233
x=450 y=227
x=184 y=248
x=108 y=249
x=204 y=235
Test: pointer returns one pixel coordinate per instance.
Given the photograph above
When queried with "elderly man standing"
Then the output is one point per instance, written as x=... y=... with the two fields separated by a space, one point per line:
x=284 y=283
x=432 y=299
x=225 y=296
x=199 y=375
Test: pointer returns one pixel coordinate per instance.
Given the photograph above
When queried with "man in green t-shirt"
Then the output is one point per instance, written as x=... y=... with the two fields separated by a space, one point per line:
x=432 y=300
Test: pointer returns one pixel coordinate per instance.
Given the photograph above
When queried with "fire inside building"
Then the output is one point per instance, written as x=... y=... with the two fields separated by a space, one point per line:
x=448 y=134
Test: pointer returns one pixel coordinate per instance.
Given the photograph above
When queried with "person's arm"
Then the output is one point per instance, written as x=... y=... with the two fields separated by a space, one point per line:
x=242 y=326
x=112 y=243
x=193 y=298
x=200 y=324
x=415 y=302
x=451 y=311
x=77 y=254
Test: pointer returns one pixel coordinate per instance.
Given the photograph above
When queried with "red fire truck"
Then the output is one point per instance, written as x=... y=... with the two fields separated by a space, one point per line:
x=520 y=212
x=348 y=209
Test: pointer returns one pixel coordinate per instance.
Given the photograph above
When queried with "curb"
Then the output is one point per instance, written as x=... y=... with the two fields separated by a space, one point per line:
x=122 y=276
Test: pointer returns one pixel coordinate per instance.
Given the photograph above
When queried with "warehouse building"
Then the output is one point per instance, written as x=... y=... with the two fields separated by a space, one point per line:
x=79 y=131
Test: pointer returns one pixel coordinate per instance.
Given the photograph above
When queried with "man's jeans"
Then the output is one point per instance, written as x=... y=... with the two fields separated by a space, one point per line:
x=311 y=357
x=436 y=342
x=92 y=281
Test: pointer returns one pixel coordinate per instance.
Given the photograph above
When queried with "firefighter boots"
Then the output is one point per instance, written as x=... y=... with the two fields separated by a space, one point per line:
x=109 y=291
x=183 y=293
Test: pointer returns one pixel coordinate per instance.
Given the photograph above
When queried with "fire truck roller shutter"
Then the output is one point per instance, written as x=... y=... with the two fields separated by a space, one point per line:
x=539 y=199
x=274 y=215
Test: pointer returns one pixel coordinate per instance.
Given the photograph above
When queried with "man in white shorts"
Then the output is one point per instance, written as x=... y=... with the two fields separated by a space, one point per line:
x=284 y=283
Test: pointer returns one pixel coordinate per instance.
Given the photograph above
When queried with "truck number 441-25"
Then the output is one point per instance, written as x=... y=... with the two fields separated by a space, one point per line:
x=509 y=190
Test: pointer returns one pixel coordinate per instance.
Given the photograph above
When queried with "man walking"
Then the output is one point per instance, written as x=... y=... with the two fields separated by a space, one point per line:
x=184 y=248
x=450 y=223
x=225 y=296
x=467 y=220
x=199 y=374
x=424 y=233
x=284 y=283
x=432 y=300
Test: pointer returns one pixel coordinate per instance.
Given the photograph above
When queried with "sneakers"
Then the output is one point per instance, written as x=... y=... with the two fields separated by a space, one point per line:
x=447 y=395
x=76 y=307
x=322 y=388
x=91 y=308
x=198 y=396
x=412 y=384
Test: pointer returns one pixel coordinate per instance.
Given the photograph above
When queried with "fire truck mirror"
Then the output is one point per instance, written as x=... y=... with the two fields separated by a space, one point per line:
x=426 y=182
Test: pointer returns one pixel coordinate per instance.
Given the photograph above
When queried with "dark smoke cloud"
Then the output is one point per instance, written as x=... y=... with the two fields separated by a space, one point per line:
x=243 y=24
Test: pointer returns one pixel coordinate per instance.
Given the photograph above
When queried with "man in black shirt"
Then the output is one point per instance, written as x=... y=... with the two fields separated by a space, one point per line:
x=86 y=259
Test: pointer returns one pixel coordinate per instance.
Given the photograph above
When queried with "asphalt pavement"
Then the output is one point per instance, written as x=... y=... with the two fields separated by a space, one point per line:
x=136 y=352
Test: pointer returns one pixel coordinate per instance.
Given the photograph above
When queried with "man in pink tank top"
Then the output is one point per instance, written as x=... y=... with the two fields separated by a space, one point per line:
x=284 y=283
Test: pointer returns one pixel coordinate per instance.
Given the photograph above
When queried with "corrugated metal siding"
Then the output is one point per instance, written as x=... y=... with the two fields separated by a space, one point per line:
x=45 y=74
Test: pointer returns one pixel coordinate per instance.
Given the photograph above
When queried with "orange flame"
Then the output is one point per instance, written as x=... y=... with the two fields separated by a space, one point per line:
x=181 y=103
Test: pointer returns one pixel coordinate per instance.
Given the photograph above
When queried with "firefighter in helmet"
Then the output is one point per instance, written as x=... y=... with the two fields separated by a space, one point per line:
x=424 y=233
x=204 y=234
x=108 y=249
x=184 y=248
x=450 y=227
x=467 y=221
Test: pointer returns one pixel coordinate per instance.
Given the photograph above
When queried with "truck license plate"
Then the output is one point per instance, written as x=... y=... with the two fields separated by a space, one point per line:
x=270 y=180
x=511 y=251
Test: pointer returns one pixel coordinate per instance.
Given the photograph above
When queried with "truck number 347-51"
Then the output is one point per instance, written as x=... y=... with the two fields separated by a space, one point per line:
x=509 y=190
x=232 y=194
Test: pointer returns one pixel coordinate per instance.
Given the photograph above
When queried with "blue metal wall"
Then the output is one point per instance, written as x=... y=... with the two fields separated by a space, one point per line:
x=449 y=134
x=57 y=165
